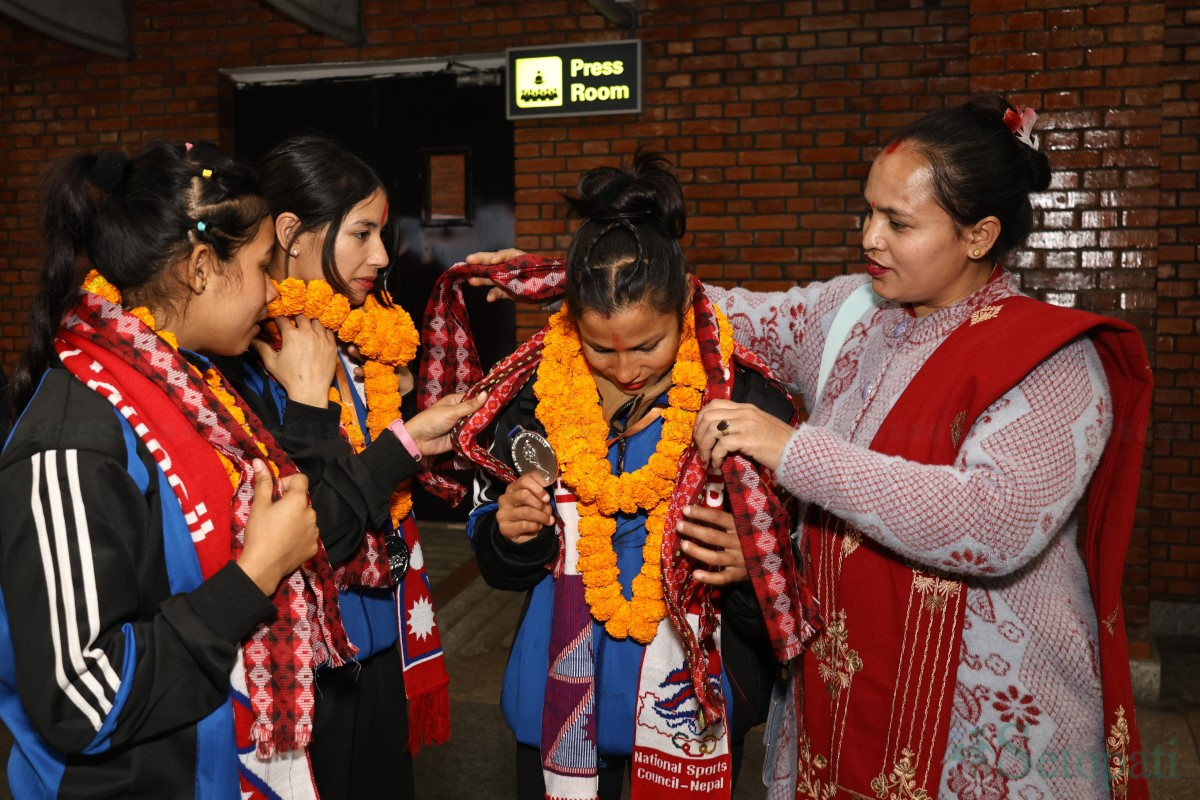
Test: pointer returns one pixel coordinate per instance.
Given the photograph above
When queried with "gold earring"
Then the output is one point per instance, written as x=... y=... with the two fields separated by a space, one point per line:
x=295 y=252
x=976 y=253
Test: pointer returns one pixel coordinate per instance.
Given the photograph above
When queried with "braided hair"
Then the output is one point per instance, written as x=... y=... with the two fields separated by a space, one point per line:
x=627 y=251
x=132 y=219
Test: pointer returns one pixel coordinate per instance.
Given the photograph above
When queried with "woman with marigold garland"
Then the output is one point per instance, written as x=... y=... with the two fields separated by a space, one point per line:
x=340 y=421
x=969 y=650
x=642 y=646
x=157 y=639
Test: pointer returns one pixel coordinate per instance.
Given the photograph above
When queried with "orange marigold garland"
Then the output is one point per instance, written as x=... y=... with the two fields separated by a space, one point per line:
x=578 y=434
x=95 y=283
x=386 y=338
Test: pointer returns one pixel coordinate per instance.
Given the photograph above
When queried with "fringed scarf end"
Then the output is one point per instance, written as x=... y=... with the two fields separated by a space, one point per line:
x=271 y=740
x=429 y=718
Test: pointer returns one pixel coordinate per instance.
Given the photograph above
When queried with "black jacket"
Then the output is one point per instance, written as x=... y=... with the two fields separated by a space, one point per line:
x=103 y=656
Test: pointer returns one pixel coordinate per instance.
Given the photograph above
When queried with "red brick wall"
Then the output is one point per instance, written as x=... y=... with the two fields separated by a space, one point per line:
x=1096 y=73
x=773 y=111
x=1175 y=506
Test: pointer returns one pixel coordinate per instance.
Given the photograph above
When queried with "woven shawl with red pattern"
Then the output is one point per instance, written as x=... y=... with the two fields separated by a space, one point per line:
x=281 y=655
x=762 y=518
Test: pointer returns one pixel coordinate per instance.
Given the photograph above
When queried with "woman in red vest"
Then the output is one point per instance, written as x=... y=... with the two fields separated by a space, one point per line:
x=968 y=650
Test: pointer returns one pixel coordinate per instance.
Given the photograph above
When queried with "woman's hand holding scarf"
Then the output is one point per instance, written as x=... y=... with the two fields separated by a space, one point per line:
x=280 y=534
x=493 y=258
x=724 y=427
x=431 y=428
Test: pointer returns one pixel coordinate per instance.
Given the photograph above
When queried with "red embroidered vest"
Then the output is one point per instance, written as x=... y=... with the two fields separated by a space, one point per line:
x=879 y=683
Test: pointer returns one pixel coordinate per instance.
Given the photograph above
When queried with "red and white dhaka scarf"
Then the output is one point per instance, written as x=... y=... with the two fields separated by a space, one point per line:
x=185 y=425
x=426 y=682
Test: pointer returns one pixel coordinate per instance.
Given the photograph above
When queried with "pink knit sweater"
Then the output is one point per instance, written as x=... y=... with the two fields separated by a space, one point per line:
x=1027 y=717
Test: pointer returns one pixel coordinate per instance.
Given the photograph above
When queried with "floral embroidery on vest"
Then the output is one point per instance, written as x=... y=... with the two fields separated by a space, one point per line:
x=935 y=590
x=902 y=783
x=1110 y=622
x=838 y=662
x=851 y=540
x=986 y=313
x=808 y=784
x=1118 y=755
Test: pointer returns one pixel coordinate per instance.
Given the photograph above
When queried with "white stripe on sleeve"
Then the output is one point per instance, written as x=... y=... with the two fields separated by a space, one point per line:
x=88 y=573
x=63 y=618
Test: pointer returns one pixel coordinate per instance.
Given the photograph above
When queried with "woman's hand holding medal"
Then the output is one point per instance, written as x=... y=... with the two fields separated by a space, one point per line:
x=524 y=508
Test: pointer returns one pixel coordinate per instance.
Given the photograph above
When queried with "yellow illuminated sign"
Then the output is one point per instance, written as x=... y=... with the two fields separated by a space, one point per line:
x=575 y=80
x=539 y=82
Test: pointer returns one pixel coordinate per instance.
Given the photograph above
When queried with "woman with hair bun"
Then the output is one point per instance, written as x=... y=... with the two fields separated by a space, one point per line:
x=166 y=599
x=967 y=650
x=641 y=647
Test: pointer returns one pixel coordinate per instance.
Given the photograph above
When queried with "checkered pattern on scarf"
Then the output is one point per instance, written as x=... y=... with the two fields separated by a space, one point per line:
x=764 y=528
x=450 y=362
x=280 y=657
x=762 y=518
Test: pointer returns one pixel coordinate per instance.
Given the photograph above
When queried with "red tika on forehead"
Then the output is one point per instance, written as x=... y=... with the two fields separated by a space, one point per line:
x=383 y=221
x=894 y=146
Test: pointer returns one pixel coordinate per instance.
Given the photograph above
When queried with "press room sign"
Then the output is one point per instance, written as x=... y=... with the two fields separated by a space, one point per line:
x=575 y=80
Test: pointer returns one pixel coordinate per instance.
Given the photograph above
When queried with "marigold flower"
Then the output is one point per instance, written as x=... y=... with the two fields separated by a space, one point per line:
x=618 y=625
x=352 y=326
x=643 y=629
x=684 y=398
x=689 y=373
x=569 y=408
x=293 y=294
x=317 y=299
x=335 y=313
x=97 y=284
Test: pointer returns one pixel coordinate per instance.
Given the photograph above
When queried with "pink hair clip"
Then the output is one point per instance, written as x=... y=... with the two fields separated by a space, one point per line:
x=187 y=147
x=1021 y=123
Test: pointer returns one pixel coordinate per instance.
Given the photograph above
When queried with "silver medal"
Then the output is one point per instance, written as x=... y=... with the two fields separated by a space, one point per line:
x=533 y=454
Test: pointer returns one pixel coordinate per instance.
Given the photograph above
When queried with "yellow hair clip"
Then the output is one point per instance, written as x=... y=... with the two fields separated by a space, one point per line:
x=207 y=173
